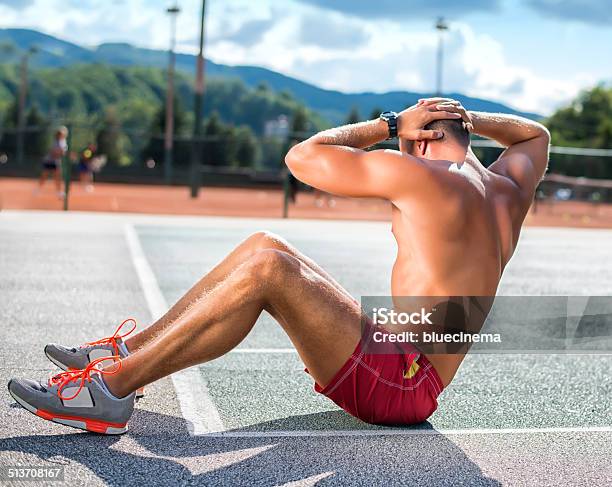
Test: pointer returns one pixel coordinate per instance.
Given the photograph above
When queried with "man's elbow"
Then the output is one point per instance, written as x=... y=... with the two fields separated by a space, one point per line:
x=296 y=158
x=544 y=133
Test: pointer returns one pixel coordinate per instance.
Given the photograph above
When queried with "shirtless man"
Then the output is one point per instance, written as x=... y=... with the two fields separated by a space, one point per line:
x=456 y=224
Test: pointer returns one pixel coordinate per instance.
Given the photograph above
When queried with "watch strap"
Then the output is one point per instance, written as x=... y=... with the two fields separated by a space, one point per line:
x=391 y=119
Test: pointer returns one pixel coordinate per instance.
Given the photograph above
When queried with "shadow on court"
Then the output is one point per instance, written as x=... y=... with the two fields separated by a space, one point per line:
x=166 y=453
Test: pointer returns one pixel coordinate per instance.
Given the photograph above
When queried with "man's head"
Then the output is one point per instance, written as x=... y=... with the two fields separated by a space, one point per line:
x=455 y=139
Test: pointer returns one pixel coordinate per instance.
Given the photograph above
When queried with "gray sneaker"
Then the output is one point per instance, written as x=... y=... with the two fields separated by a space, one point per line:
x=77 y=398
x=80 y=357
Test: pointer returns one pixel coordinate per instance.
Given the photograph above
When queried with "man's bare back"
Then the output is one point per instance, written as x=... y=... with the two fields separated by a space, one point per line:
x=464 y=240
x=456 y=222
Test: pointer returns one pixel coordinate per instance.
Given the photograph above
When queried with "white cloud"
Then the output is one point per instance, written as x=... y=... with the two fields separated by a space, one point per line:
x=332 y=30
x=94 y=21
x=475 y=64
x=381 y=56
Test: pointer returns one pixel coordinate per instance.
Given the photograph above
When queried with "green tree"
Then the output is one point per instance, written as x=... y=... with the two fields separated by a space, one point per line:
x=82 y=91
x=271 y=149
x=111 y=141
x=584 y=122
x=604 y=133
x=376 y=111
x=8 y=141
x=180 y=119
x=155 y=146
x=299 y=120
x=218 y=149
x=353 y=116
x=11 y=115
x=37 y=134
x=247 y=148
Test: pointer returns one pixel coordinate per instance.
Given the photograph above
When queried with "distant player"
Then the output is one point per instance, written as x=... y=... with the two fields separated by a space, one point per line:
x=52 y=163
x=86 y=166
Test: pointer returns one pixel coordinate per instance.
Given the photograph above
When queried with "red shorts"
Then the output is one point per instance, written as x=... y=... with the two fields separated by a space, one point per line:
x=396 y=385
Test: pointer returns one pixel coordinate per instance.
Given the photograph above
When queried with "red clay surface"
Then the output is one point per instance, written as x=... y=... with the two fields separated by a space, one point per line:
x=20 y=194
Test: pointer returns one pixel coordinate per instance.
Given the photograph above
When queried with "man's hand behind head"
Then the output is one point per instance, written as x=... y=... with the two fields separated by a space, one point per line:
x=412 y=121
x=447 y=105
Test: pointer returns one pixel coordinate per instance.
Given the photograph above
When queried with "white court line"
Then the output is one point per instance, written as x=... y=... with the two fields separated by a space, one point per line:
x=478 y=353
x=198 y=409
x=203 y=417
x=403 y=431
x=263 y=350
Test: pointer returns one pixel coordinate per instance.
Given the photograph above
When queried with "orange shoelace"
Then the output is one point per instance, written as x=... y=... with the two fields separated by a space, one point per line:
x=115 y=336
x=72 y=375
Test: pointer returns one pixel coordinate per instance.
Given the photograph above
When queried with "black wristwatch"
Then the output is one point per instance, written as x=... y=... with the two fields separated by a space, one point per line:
x=391 y=119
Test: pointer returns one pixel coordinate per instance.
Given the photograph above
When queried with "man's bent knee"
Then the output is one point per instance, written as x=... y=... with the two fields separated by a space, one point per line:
x=272 y=266
x=264 y=240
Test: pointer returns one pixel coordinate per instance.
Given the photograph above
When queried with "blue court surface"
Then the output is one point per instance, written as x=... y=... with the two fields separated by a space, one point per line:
x=252 y=417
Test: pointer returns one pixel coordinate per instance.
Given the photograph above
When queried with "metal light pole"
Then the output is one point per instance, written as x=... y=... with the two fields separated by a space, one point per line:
x=441 y=26
x=198 y=110
x=169 y=129
x=23 y=92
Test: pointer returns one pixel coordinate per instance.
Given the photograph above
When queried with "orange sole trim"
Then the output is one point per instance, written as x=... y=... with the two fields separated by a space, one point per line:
x=91 y=424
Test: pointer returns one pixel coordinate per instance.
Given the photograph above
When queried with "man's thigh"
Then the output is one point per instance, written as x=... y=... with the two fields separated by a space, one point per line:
x=322 y=321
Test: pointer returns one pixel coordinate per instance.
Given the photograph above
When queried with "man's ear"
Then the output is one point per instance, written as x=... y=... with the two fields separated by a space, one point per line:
x=422 y=147
x=407 y=146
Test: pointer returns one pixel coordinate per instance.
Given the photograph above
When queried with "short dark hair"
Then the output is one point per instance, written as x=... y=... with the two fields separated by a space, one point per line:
x=451 y=128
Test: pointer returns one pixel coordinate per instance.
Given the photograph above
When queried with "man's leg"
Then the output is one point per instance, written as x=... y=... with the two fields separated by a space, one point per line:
x=323 y=322
x=248 y=248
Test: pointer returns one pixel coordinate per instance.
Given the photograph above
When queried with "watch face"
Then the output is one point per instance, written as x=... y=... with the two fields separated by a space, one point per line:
x=387 y=115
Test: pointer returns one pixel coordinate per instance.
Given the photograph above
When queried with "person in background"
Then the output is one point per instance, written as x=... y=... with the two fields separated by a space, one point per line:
x=52 y=164
x=86 y=167
x=322 y=198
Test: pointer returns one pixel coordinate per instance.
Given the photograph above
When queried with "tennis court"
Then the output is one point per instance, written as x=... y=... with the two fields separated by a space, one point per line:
x=252 y=418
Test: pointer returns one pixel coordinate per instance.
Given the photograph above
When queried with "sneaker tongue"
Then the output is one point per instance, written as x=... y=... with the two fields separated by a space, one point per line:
x=97 y=378
x=122 y=348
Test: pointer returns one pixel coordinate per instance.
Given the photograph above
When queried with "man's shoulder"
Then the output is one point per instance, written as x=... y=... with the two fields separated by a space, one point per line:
x=509 y=194
x=399 y=165
x=518 y=170
x=393 y=156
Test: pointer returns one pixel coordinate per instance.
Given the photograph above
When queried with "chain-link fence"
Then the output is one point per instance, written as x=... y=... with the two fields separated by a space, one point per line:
x=133 y=156
x=240 y=158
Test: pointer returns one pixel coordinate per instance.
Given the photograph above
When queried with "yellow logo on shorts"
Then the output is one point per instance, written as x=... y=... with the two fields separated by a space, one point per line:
x=412 y=370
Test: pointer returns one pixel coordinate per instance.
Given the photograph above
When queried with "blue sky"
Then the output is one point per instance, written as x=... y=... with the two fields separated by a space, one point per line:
x=532 y=54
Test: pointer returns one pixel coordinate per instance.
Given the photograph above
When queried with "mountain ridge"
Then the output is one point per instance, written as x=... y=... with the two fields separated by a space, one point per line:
x=331 y=104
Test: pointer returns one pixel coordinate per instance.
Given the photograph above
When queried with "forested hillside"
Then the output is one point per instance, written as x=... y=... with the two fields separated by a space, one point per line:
x=122 y=109
x=85 y=92
x=331 y=105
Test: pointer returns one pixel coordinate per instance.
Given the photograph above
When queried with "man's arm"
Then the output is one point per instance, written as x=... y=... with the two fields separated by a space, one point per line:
x=334 y=160
x=526 y=156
